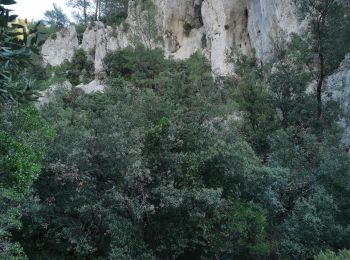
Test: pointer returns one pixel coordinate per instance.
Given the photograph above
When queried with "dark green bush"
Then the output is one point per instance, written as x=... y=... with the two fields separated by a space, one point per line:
x=113 y=12
x=81 y=70
x=169 y=163
x=139 y=65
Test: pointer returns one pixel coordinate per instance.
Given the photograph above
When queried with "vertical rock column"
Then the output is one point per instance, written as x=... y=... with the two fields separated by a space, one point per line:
x=60 y=46
x=182 y=26
x=267 y=19
x=226 y=28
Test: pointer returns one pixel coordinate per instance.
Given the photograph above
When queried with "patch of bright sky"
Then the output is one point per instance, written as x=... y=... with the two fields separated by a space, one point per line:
x=35 y=9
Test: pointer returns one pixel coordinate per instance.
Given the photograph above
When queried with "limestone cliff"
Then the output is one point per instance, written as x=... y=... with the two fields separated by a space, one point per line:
x=214 y=27
x=60 y=46
x=223 y=26
x=338 y=88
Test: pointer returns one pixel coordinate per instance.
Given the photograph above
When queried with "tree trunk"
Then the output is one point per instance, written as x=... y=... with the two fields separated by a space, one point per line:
x=322 y=73
x=320 y=85
x=97 y=10
x=85 y=14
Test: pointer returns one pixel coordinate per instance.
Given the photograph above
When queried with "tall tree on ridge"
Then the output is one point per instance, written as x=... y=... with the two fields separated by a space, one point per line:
x=82 y=5
x=56 y=16
x=329 y=27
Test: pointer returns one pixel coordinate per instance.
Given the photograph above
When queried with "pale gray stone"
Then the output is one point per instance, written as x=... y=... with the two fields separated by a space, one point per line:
x=57 y=49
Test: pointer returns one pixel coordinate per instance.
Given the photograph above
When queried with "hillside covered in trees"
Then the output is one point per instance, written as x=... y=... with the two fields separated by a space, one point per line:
x=168 y=158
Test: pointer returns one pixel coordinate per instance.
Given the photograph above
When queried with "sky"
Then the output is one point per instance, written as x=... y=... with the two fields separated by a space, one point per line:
x=35 y=9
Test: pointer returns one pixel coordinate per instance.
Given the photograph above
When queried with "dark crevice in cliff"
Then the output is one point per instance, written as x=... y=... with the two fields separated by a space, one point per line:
x=246 y=17
x=198 y=12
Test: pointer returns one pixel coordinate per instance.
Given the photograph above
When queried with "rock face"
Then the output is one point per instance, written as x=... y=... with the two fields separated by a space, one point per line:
x=214 y=27
x=47 y=95
x=99 y=39
x=60 y=46
x=92 y=87
x=219 y=27
x=338 y=88
x=266 y=19
x=226 y=25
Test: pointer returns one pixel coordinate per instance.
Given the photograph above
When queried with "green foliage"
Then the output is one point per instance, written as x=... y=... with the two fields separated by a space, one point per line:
x=157 y=166
x=23 y=137
x=169 y=163
x=80 y=28
x=145 y=30
x=126 y=241
x=56 y=17
x=53 y=36
x=16 y=47
x=23 y=134
x=143 y=171
x=140 y=66
x=80 y=68
x=308 y=168
x=20 y=151
x=19 y=161
x=82 y=7
x=328 y=26
x=313 y=220
x=125 y=27
x=310 y=192
x=327 y=39
x=330 y=255
x=289 y=82
x=252 y=98
x=50 y=75
x=44 y=31
x=244 y=231
x=112 y=12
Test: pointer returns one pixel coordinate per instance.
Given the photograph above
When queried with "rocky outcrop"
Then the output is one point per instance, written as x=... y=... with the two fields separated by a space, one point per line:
x=60 y=46
x=92 y=87
x=47 y=95
x=214 y=27
x=226 y=26
x=266 y=19
x=220 y=27
x=338 y=88
x=99 y=39
x=181 y=26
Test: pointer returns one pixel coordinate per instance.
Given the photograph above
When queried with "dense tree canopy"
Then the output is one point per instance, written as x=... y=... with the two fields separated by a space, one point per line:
x=23 y=134
x=327 y=38
x=169 y=162
x=161 y=166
